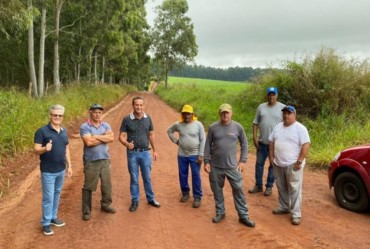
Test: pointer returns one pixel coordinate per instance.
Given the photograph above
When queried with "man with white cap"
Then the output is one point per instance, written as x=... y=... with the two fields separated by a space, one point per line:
x=289 y=144
x=268 y=115
x=190 y=141
x=220 y=161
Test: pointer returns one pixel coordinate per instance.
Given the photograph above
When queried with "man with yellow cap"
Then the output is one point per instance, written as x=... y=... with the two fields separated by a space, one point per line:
x=190 y=141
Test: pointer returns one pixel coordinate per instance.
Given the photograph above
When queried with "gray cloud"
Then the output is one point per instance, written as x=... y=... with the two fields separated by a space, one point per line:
x=259 y=33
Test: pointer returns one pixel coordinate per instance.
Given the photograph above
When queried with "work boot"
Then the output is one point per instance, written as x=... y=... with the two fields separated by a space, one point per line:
x=86 y=204
x=185 y=197
x=255 y=189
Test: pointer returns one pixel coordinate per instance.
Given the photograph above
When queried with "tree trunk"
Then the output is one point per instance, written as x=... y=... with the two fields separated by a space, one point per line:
x=96 y=68
x=31 y=54
x=42 y=51
x=90 y=64
x=102 y=70
x=56 y=79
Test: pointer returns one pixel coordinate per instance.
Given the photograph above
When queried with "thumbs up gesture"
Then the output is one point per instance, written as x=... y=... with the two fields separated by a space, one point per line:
x=49 y=145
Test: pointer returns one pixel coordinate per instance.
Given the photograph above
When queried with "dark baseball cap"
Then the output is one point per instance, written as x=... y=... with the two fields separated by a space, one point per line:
x=96 y=106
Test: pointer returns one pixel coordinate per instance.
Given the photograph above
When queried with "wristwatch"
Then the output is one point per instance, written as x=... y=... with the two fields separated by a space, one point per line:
x=299 y=162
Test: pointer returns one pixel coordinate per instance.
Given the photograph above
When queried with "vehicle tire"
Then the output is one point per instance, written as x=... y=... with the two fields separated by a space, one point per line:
x=350 y=192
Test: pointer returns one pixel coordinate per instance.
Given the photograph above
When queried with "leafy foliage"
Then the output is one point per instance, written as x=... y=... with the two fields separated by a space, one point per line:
x=173 y=36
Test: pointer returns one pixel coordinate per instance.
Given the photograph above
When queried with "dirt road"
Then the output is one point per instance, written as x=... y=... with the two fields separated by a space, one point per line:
x=175 y=224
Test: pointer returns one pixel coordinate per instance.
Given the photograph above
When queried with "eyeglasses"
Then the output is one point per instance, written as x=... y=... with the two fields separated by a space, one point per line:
x=56 y=115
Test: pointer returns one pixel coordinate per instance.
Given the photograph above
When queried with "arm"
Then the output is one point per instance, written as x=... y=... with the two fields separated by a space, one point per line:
x=93 y=140
x=170 y=132
x=68 y=158
x=123 y=140
x=271 y=152
x=243 y=150
x=38 y=149
x=255 y=135
x=151 y=139
x=302 y=155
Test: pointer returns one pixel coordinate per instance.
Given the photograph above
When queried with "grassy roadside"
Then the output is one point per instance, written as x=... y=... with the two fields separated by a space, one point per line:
x=329 y=133
x=22 y=115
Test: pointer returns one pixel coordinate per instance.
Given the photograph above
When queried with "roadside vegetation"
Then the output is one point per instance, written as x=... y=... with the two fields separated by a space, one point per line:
x=330 y=92
x=22 y=115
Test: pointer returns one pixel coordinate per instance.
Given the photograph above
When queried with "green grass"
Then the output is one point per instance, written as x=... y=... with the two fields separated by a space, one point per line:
x=329 y=133
x=205 y=96
x=22 y=115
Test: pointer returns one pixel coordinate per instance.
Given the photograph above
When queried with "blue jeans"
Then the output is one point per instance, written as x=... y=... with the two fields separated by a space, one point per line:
x=262 y=154
x=52 y=184
x=143 y=161
x=184 y=163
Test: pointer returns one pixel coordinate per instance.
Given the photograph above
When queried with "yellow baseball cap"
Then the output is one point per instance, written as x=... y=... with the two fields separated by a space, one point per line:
x=187 y=108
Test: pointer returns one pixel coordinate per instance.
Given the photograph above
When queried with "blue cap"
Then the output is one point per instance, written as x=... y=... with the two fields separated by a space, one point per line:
x=96 y=106
x=272 y=89
x=289 y=108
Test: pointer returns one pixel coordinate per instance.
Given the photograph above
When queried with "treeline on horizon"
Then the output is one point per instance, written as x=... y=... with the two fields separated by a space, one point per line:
x=240 y=74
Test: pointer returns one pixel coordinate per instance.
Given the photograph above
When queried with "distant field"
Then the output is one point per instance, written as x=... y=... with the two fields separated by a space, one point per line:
x=205 y=83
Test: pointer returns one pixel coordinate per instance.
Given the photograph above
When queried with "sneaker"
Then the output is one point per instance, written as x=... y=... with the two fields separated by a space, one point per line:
x=247 y=222
x=57 y=222
x=47 y=230
x=268 y=192
x=108 y=209
x=86 y=216
x=218 y=218
x=196 y=203
x=184 y=198
x=280 y=211
x=255 y=189
x=296 y=220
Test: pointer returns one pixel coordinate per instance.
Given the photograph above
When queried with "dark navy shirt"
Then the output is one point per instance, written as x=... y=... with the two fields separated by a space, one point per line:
x=54 y=160
x=137 y=130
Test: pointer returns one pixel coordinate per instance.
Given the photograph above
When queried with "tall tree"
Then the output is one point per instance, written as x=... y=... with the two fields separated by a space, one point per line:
x=56 y=77
x=173 y=37
x=31 y=52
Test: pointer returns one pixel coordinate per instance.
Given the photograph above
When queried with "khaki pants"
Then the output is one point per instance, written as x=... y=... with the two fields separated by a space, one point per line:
x=289 y=184
x=94 y=170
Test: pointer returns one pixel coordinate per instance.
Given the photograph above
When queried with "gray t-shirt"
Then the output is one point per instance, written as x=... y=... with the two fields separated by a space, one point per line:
x=191 y=138
x=97 y=152
x=221 y=145
x=267 y=117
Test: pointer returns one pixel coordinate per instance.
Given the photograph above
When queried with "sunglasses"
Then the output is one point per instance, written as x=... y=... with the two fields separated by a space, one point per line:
x=56 y=115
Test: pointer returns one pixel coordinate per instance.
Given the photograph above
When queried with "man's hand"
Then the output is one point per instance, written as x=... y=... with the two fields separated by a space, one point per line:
x=207 y=168
x=49 y=146
x=241 y=167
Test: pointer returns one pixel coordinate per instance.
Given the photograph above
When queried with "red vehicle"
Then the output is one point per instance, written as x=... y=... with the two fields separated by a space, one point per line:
x=349 y=173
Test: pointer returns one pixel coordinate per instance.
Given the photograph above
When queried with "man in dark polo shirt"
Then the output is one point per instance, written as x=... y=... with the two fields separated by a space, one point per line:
x=96 y=135
x=51 y=143
x=136 y=134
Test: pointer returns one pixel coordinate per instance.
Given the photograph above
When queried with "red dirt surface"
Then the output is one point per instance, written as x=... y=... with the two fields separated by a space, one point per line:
x=174 y=224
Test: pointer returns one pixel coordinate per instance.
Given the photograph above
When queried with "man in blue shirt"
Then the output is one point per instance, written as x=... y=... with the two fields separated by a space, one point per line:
x=96 y=135
x=51 y=143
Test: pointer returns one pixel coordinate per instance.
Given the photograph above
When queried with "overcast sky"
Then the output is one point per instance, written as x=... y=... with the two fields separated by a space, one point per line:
x=262 y=33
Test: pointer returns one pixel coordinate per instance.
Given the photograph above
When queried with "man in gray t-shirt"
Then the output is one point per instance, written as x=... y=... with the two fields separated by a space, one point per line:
x=190 y=141
x=220 y=162
x=96 y=135
x=268 y=115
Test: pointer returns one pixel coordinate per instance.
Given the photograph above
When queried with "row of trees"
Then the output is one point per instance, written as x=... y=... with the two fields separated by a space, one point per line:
x=70 y=40
x=54 y=41
x=229 y=74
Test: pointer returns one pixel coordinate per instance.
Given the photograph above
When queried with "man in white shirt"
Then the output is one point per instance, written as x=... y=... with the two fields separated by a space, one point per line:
x=289 y=144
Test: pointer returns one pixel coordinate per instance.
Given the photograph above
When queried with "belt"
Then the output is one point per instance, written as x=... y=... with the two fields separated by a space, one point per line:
x=141 y=149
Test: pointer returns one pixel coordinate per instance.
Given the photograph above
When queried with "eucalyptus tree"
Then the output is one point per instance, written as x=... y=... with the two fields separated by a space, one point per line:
x=174 y=42
x=31 y=52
